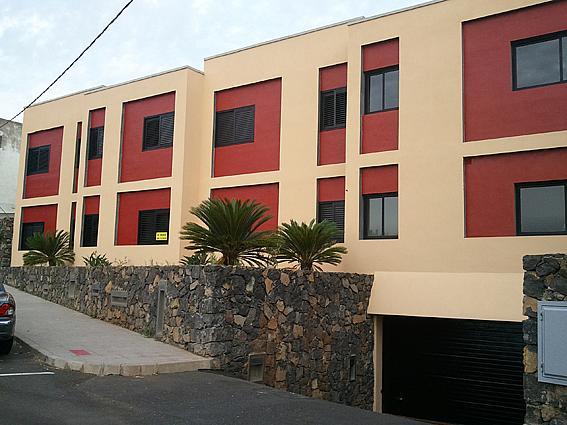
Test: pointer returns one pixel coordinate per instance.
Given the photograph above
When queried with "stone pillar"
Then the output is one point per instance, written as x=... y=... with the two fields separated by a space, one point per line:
x=545 y=279
x=6 y=231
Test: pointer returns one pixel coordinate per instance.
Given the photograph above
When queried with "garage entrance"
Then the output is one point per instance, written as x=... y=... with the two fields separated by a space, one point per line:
x=455 y=371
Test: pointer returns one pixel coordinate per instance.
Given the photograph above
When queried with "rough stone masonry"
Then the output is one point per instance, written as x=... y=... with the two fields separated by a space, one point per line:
x=310 y=330
x=545 y=278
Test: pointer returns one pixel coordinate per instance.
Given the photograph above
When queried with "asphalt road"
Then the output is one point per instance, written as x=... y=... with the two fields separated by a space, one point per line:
x=66 y=397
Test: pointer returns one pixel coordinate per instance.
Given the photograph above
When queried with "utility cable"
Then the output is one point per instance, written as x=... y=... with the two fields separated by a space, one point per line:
x=72 y=63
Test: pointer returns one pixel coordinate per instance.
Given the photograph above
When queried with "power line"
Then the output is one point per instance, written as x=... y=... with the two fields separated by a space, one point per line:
x=72 y=63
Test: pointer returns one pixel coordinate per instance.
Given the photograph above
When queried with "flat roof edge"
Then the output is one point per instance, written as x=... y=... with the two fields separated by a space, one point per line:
x=64 y=96
x=286 y=37
x=145 y=77
x=395 y=12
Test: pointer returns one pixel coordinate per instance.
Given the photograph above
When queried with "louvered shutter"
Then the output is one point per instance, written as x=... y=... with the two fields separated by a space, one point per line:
x=43 y=159
x=29 y=229
x=151 y=222
x=244 y=124
x=328 y=109
x=334 y=211
x=33 y=155
x=151 y=133
x=340 y=107
x=224 y=128
x=96 y=139
x=339 y=218
x=90 y=230
x=166 y=129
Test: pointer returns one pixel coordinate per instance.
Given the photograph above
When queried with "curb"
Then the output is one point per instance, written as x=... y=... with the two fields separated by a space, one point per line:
x=122 y=369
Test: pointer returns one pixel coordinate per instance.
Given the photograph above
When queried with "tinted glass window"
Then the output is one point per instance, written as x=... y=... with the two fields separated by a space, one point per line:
x=374 y=224
x=376 y=93
x=391 y=90
x=391 y=216
x=538 y=62
x=564 y=55
x=542 y=209
x=382 y=90
x=380 y=216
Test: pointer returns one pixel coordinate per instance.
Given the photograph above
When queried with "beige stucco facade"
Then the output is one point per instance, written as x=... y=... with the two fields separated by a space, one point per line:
x=431 y=269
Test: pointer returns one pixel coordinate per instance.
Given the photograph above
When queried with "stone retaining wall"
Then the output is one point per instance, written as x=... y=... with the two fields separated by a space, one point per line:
x=311 y=329
x=545 y=279
x=6 y=231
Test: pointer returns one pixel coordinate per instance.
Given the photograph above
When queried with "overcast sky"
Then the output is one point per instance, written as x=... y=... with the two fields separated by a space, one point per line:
x=39 y=38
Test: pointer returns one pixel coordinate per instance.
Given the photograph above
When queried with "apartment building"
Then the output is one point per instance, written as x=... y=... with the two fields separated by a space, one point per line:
x=435 y=137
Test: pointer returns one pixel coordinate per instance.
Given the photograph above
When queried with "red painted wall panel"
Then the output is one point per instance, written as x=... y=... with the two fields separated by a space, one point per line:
x=331 y=189
x=267 y=194
x=491 y=108
x=94 y=166
x=490 y=190
x=380 y=55
x=332 y=143
x=333 y=77
x=45 y=184
x=137 y=164
x=264 y=153
x=47 y=214
x=380 y=129
x=332 y=146
x=91 y=205
x=376 y=180
x=130 y=204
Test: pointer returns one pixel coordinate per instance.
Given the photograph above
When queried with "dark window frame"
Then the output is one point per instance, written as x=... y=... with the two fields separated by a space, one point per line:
x=518 y=207
x=534 y=40
x=91 y=153
x=155 y=212
x=234 y=141
x=23 y=246
x=366 y=215
x=367 y=76
x=89 y=237
x=38 y=170
x=341 y=238
x=336 y=124
x=160 y=145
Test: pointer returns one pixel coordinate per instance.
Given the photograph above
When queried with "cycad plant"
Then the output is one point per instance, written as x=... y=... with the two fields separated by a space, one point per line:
x=97 y=260
x=231 y=229
x=309 y=245
x=49 y=248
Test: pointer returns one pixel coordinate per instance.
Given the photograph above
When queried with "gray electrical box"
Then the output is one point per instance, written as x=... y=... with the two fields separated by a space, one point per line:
x=552 y=342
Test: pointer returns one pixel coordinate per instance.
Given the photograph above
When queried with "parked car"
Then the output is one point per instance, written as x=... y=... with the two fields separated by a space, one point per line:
x=7 y=320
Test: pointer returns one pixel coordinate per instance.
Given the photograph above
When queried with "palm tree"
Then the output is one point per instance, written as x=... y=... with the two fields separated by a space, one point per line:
x=49 y=248
x=231 y=229
x=309 y=244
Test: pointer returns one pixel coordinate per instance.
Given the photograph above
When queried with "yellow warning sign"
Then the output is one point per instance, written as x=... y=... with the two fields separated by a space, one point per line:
x=161 y=236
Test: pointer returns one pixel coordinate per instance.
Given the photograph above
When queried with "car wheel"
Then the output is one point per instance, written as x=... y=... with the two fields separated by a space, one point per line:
x=6 y=346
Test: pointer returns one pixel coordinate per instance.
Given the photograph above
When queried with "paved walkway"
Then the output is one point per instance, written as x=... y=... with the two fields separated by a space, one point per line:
x=72 y=340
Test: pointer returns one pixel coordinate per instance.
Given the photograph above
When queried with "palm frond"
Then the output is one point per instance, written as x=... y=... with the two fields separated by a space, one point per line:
x=49 y=248
x=231 y=228
x=309 y=245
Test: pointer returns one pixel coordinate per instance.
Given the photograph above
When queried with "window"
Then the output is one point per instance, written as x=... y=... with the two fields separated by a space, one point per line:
x=541 y=208
x=153 y=227
x=96 y=138
x=234 y=126
x=380 y=219
x=381 y=90
x=333 y=211
x=72 y=225
x=90 y=230
x=333 y=109
x=29 y=229
x=540 y=61
x=158 y=131
x=38 y=160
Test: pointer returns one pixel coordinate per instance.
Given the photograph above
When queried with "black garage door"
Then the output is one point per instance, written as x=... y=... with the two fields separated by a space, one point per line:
x=455 y=371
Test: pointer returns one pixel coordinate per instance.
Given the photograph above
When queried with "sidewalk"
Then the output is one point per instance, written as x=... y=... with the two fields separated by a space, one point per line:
x=72 y=340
